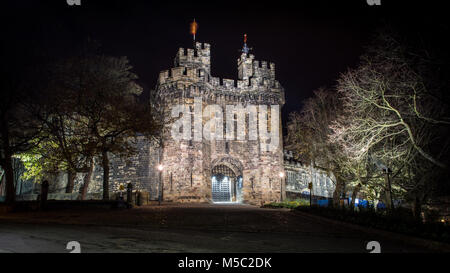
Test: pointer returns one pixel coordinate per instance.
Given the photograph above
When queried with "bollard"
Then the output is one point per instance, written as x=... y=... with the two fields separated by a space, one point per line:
x=129 y=193
x=138 y=198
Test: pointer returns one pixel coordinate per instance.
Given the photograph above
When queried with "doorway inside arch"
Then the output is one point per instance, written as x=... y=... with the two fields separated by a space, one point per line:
x=226 y=185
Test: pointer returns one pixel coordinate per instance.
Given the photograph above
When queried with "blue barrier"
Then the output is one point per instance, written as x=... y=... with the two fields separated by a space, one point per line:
x=360 y=202
x=363 y=203
x=322 y=203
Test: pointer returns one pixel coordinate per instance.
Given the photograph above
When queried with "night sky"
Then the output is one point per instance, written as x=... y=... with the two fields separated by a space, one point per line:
x=311 y=43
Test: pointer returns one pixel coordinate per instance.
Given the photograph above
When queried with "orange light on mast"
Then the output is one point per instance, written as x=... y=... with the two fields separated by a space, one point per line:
x=194 y=27
x=245 y=38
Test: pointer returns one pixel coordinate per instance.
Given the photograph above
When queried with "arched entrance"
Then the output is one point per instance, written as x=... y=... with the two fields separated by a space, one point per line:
x=226 y=180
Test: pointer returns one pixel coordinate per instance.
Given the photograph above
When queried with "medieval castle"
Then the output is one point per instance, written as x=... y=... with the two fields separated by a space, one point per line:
x=228 y=169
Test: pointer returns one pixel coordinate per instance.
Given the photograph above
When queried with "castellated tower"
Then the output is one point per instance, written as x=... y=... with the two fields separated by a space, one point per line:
x=228 y=169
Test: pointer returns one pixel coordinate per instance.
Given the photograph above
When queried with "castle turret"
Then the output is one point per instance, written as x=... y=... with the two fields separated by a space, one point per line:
x=199 y=57
x=245 y=67
x=255 y=72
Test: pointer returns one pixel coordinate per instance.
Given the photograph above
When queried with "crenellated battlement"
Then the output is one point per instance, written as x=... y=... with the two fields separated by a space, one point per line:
x=192 y=68
x=195 y=75
x=263 y=65
x=248 y=67
x=198 y=57
x=181 y=73
x=263 y=69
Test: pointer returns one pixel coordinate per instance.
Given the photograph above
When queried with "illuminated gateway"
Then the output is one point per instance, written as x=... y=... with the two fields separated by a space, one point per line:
x=214 y=171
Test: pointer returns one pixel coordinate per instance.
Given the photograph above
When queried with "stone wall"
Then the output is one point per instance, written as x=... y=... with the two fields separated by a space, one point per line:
x=140 y=170
x=299 y=175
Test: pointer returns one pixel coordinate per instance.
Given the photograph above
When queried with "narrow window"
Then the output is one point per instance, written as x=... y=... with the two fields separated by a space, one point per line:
x=227 y=147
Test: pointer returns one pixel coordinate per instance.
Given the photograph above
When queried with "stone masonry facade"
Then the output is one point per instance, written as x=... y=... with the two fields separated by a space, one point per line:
x=299 y=175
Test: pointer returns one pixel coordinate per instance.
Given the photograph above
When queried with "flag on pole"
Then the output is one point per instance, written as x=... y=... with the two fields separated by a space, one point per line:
x=194 y=27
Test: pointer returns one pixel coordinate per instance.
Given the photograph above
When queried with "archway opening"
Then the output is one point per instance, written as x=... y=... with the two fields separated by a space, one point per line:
x=226 y=185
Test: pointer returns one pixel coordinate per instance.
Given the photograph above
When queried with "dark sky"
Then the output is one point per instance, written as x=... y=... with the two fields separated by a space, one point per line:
x=311 y=43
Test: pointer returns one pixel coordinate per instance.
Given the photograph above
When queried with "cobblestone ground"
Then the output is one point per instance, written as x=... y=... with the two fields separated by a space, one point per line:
x=185 y=228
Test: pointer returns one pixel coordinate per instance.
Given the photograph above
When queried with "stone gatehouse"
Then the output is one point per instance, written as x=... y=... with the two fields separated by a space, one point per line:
x=219 y=170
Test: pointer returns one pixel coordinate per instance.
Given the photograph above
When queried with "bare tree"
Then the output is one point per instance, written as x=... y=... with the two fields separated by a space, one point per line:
x=393 y=117
x=308 y=133
x=384 y=100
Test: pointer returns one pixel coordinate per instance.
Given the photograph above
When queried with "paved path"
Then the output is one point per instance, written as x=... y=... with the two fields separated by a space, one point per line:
x=185 y=228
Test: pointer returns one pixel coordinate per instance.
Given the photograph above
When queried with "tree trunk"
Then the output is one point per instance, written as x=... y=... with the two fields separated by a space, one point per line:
x=337 y=192
x=105 y=165
x=70 y=181
x=388 y=192
x=87 y=179
x=336 y=195
x=417 y=209
x=354 y=194
x=376 y=200
x=1 y=182
x=10 y=190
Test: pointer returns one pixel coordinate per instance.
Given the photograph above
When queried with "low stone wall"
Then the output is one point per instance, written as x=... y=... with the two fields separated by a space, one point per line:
x=27 y=197
x=60 y=196
x=138 y=197
x=68 y=204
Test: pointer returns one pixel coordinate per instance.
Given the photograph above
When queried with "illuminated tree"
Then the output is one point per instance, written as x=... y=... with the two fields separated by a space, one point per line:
x=386 y=99
x=90 y=110
x=308 y=133
x=394 y=115
x=111 y=112
x=386 y=128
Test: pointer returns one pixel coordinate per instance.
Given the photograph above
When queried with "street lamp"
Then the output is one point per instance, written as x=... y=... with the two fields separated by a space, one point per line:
x=281 y=175
x=310 y=187
x=160 y=169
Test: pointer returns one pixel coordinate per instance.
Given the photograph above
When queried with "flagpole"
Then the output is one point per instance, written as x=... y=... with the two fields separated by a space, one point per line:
x=194 y=27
